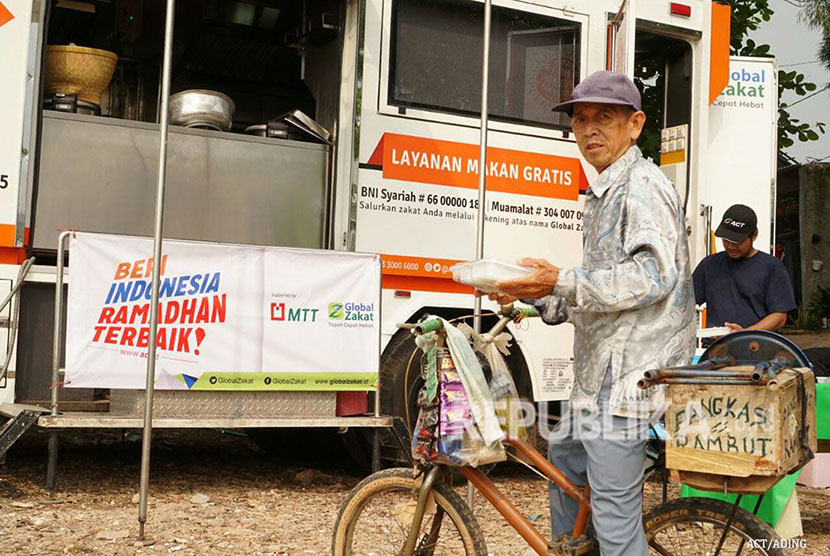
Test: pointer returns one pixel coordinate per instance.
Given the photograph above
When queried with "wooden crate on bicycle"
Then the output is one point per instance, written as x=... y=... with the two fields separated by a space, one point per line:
x=741 y=437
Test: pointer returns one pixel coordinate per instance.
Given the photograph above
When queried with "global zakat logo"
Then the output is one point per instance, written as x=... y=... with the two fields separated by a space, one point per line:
x=734 y=223
x=745 y=83
x=352 y=311
x=336 y=311
x=281 y=312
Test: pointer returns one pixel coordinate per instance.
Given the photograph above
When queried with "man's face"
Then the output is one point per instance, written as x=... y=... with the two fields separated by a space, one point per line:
x=604 y=132
x=741 y=250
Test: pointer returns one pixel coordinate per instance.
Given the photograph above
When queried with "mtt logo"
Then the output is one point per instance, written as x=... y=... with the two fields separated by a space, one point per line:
x=351 y=311
x=279 y=313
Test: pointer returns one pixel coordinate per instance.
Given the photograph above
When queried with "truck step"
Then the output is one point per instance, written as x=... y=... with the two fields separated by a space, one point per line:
x=15 y=427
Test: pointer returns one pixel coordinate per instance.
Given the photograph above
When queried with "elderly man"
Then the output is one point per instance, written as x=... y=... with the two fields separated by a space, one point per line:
x=632 y=307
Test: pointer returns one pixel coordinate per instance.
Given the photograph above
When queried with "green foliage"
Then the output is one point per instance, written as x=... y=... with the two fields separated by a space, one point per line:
x=789 y=127
x=806 y=320
x=649 y=76
x=820 y=304
x=749 y=15
x=809 y=318
x=816 y=13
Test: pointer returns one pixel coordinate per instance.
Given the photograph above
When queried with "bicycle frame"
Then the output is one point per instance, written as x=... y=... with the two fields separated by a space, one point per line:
x=502 y=504
x=513 y=516
x=576 y=542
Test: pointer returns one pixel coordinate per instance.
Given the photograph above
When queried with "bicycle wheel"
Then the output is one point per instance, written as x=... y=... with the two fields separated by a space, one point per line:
x=692 y=526
x=375 y=519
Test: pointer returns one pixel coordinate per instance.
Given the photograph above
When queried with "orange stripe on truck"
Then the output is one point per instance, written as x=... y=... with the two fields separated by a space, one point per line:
x=719 y=50
x=436 y=162
x=9 y=254
x=421 y=284
x=426 y=267
x=429 y=274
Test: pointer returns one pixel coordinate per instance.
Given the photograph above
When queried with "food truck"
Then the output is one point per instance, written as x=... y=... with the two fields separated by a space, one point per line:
x=346 y=125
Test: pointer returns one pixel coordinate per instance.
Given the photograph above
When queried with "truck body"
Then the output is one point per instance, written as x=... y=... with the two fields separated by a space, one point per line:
x=397 y=85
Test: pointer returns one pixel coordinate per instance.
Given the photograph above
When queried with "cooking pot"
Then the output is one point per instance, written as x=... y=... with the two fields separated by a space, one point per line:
x=201 y=108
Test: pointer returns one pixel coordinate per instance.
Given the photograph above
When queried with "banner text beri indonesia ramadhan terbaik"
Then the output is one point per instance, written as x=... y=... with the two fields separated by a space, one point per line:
x=125 y=323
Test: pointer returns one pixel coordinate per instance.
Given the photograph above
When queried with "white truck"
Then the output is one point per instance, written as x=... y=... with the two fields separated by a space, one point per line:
x=397 y=85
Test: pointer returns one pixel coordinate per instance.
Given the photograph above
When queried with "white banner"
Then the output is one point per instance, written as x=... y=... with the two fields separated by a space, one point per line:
x=743 y=141
x=230 y=317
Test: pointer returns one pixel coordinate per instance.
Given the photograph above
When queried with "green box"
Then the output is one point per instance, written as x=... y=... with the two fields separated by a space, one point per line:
x=823 y=410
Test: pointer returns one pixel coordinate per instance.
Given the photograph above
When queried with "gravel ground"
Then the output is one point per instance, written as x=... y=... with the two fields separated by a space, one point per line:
x=214 y=493
x=807 y=338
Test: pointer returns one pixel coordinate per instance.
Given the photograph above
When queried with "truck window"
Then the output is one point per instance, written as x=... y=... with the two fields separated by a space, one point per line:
x=436 y=60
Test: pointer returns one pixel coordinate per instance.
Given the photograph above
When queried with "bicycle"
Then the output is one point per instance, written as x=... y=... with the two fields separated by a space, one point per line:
x=402 y=511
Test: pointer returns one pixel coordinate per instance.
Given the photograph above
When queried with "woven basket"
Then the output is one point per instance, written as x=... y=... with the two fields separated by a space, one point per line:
x=77 y=70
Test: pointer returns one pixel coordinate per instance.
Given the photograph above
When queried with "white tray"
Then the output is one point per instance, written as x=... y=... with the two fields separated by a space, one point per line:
x=712 y=332
x=483 y=274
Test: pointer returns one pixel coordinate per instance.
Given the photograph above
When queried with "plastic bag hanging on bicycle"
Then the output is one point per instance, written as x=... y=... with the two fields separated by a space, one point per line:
x=503 y=389
x=457 y=423
x=505 y=395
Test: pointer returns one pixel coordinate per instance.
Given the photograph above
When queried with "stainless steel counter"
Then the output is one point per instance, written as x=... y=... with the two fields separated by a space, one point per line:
x=99 y=175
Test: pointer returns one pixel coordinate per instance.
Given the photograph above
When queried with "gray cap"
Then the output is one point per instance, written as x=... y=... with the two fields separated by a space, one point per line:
x=603 y=87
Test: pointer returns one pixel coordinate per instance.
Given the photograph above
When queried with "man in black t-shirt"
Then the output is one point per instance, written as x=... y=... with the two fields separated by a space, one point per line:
x=741 y=286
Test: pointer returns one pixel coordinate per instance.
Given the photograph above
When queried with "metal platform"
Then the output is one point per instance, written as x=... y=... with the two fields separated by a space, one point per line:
x=90 y=420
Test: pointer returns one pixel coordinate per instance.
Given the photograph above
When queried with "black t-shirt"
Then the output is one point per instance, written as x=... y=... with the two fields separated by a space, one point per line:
x=742 y=291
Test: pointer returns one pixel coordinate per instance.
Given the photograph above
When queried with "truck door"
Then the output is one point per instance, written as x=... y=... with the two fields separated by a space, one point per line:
x=663 y=71
x=18 y=34
x=657 y=55
x=621 y=39
x=682 y=65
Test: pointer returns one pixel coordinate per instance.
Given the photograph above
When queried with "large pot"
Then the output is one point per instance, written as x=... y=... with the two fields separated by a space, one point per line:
x=201 y=108
x=78 y=70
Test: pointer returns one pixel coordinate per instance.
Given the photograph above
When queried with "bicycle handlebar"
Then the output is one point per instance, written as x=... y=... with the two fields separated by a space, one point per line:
x=508 y=313
x=423 y=327
x=528 y=312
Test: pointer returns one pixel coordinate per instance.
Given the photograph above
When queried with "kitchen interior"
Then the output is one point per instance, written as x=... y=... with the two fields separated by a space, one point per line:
x=253 y=106
x=253 y=110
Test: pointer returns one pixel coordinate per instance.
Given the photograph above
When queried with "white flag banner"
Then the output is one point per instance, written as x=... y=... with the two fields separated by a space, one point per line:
x=230 y=317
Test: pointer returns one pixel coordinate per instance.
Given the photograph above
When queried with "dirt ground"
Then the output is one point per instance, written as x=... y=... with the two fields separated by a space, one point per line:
x=217 y=493
x=808 y=339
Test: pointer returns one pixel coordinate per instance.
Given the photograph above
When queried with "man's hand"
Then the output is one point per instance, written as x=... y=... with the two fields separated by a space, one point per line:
x=501 y=299
x=733 y=327
x=535 y=285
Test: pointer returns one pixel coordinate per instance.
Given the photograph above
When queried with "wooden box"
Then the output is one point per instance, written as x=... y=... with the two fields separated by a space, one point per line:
x=743 y=438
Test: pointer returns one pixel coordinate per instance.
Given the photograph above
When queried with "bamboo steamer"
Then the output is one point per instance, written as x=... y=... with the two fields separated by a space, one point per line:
x=78 y=70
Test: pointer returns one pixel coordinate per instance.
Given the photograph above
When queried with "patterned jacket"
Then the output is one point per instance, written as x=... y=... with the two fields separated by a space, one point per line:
x=631 y=302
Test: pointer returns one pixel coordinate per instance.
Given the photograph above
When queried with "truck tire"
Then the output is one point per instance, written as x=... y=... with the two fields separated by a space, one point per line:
x=399 y=388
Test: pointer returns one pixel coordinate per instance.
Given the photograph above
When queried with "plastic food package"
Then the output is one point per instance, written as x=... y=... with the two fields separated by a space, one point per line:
x=483 y=274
